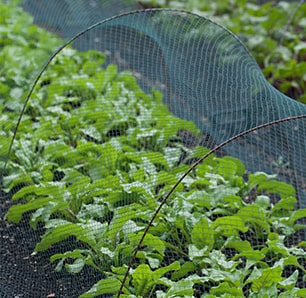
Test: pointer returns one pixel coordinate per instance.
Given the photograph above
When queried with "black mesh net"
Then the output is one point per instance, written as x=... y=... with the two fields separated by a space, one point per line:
x=151 y=159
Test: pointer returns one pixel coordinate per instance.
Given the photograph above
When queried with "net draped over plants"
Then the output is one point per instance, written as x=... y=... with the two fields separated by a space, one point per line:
x=132 y=103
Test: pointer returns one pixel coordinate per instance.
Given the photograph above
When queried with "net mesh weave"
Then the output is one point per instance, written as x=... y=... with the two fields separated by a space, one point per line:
x=205 y=75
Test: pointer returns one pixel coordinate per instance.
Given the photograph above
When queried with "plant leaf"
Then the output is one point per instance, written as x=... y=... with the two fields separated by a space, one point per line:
x=104 y=286
x=202 y=234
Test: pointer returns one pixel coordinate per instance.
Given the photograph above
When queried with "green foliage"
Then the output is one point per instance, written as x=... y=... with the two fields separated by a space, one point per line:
x=274 y=33
x=95 y=155
x=24 y=49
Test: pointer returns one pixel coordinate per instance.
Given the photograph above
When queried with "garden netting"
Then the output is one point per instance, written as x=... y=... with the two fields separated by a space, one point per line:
x=125 y=108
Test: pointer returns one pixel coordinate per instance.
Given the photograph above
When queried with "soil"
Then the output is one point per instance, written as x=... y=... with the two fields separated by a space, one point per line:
x=25 y=276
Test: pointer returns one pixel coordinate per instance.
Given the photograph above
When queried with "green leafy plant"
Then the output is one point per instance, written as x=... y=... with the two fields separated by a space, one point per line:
x=24 y=48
